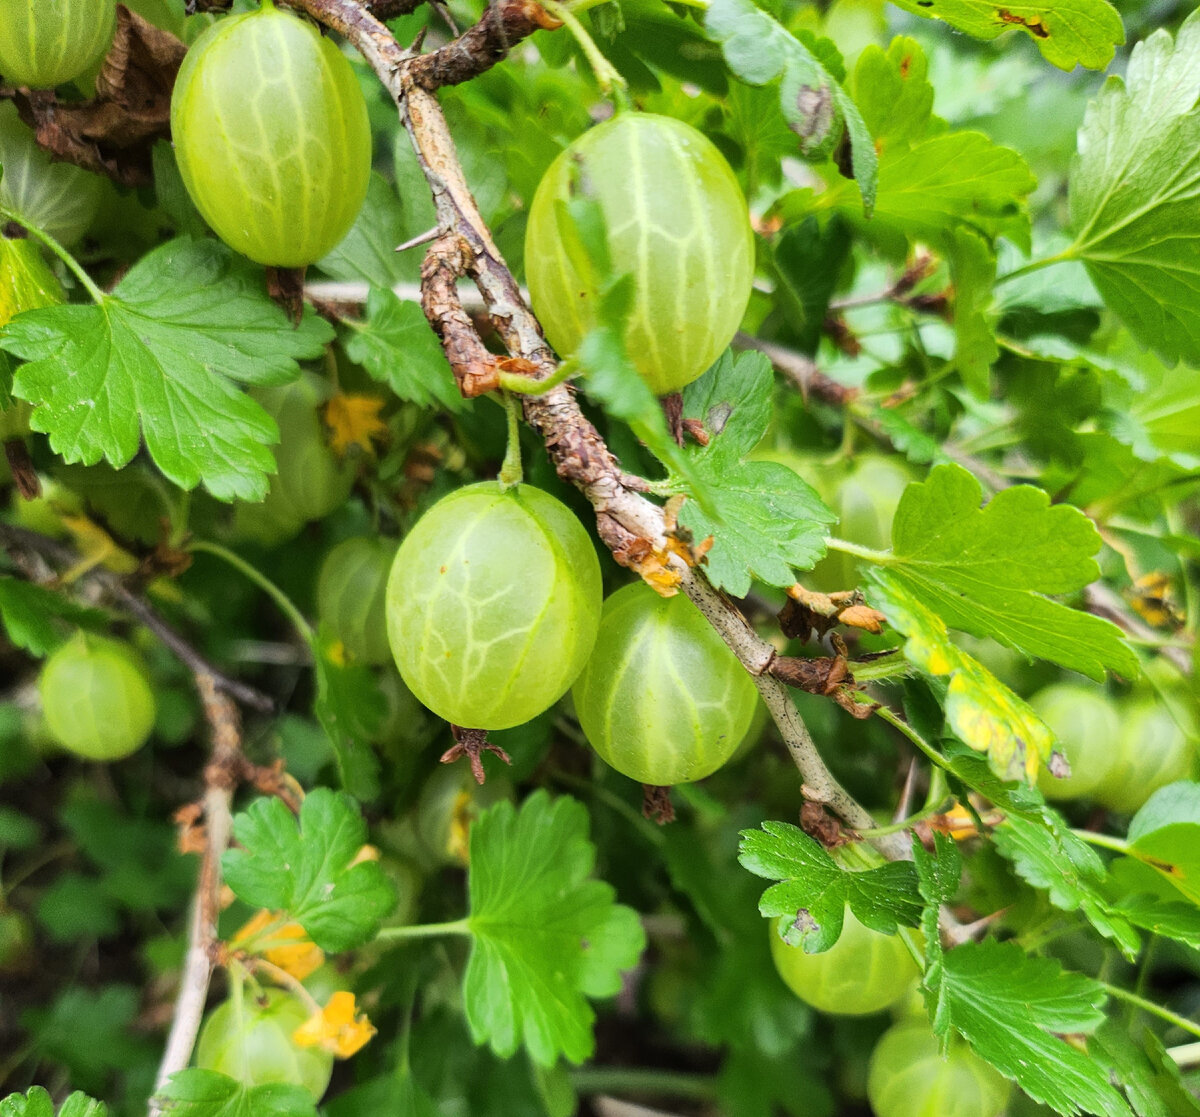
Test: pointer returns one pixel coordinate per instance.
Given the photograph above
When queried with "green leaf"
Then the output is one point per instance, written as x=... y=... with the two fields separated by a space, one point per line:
x=350 y=707
x=1013 y=1009
x=37 y=1103
x=305 y=867
x=982 y=711
x=546 y=936
x=1177 y=921
x=368 y=251
x=806 y=261
x=1135 y=193
x=1144 y=1070
x=208 y=1093
x=29 y=613
x=1047 y=855
x=947 y=181
x=740 y=1001
x=759 y=50
x=754 y=1084
x=815 y=890
x=764 y=520
x=973 y=271
x=1080 y=32
x=985 y=570
x=156 y=360
x=1165 y=834
x=397 y=347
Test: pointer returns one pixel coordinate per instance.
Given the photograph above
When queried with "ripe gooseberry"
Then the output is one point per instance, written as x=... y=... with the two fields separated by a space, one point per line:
x=271 y=135
x=309 y=481
x=1086 y=722
x=96 y=698
x=44 y=43
x=863 y=972
x=909 y=1077
x=662 y=699
x=493 y=604
x=252 y=1042
x=675 y=220
x=351 y=594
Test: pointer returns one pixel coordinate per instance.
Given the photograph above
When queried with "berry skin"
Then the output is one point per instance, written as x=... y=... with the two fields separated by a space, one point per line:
x=96 y=698
x=909 y=1077
x=676 y=221
x=493 y=604
x=44 y=43
x=662 y=699
x=863 y=972
x=272 y=137
x=255 y=1046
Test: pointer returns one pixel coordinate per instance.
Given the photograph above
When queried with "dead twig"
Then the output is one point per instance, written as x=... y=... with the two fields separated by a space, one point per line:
x=17 y=539
x=220 y=779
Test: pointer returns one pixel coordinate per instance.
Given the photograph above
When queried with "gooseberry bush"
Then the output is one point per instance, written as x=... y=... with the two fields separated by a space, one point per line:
x=599 y=556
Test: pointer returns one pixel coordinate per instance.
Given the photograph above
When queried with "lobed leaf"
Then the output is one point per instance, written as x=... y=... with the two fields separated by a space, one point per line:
x=1079 y=32
x=208 y=1093
x=764 y=519
x=986 y=570
x=1135 y=193
x=1013 y=1009
x=815 y=891
x=158 y=360
x=546 y=936
x=308 y=868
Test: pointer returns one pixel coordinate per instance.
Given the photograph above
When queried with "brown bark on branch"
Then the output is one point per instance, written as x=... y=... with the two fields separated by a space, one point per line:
x=220 y=780
x=629 y=524
x=17 y=539
x=503 y=25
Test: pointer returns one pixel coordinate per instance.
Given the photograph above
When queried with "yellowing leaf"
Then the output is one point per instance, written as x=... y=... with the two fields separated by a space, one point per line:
x=982 y=711
x=354 y=421
x=338 y=1028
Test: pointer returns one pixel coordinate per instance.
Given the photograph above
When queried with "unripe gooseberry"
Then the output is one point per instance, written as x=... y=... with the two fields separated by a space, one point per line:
x=44 y=43
x=863 y=972
x=96 y=698
x=309 y=480
x=1153 y=750
x=58 y=198
x=662 y=698
x=909 y=1077
x=1086 y=722
x=675 y=220
x=252 y=1042
x=351 y=596
x=272 y=137
x=493 y=604
x=865 y=499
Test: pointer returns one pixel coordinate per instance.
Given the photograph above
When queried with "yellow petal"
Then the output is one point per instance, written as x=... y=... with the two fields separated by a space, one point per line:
x=354 y=421
x=287 y=947
x=338 y=1028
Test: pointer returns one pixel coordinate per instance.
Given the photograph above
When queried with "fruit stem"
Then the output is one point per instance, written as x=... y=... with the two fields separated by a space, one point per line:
x=643 y=1080
x=424 y=931
x=76 y=269
x=531 y=386
x=1105 y=841
x=1181 y=1022
x=611 y=83
x=259 y=579
x=893 y=718
x=882 y=558
x=511 y=472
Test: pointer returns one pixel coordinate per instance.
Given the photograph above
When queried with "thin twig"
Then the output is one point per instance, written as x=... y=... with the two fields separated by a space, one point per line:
x=220 y=778
x=22 y=539
x=632 y=527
